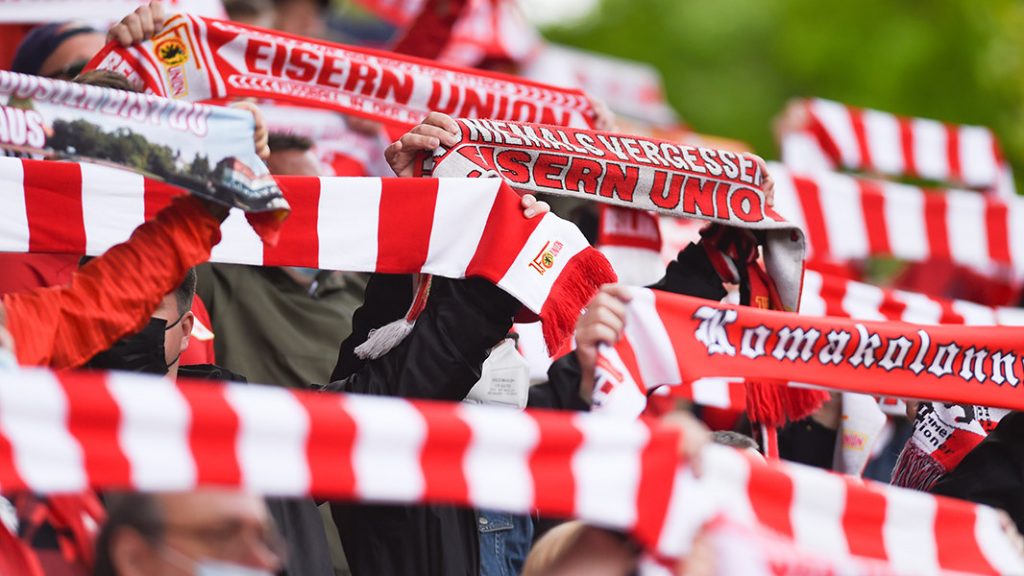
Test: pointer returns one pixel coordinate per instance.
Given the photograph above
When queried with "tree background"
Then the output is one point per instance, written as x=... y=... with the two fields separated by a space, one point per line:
x=731 y=65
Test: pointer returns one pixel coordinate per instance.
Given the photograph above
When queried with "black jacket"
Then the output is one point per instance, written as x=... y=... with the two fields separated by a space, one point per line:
x=441 y=360
x=992 y=473
x=690 y=274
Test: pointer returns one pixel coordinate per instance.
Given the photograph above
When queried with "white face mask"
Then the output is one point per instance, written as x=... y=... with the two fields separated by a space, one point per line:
x=207 y=567
x=214 y=568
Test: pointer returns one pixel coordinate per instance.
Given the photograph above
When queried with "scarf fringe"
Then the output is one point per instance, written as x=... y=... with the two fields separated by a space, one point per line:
x=916 y=469
x=583 y=275
x=773 y=403
x=382 y=340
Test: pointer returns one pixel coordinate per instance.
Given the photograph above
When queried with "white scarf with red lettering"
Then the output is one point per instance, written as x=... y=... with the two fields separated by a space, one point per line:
x=634 y=172
x=65 y=432
x=200 y=59
x=451 y=228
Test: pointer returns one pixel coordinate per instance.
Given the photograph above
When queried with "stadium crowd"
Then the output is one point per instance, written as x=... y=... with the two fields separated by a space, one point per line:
x=155 y=304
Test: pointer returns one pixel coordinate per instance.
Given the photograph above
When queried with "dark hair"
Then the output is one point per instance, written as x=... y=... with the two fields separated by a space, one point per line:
x=186 y=291
x=246 y=9
x=286 y=142
x=733 y=439
x=105 y=79
x=138 y=511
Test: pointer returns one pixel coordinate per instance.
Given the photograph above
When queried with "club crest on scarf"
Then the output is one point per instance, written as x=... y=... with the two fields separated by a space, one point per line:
x=545 y=259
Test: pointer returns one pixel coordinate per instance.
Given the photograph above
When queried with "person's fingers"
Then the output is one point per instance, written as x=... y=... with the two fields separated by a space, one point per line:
x=438 y=132
x=392 y=151
x=443 y=121
x=591 y=335
x=134 y=25
x=159 y=15
x=609 y=318
x=539 y=208
x=609 y=301
x=412 y=142
x=620 y=291
x=146 y=21
x=121 y=34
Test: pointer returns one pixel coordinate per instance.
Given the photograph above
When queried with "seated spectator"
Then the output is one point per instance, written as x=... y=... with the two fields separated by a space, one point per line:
x=199 y=533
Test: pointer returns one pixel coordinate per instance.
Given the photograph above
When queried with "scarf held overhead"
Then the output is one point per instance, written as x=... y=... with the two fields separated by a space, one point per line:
x=825 y=135
x=451 y=228
x=634 y=172
x=846 y=217
x=63 y=432
x=198 y=59
x=174 y=141
x=672 y=339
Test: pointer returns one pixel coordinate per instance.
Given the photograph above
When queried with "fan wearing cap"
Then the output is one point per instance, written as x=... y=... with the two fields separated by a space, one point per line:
x=58 y=50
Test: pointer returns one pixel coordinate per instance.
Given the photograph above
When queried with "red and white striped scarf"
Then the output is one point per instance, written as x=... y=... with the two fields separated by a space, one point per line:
x=41 y=11
x=670 y=339
x=70 y=431
x=634 y=172
x=826 y=135
x=451 y=228
x=855 y=218
x=631 y=240
x=200 y=59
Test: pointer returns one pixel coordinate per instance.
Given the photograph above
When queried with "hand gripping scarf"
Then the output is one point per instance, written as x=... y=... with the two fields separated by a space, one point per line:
x=451 y=228
x=64 y=432
x=712 y=185
x=199 y=58
x=672 y=339
x=825 y=135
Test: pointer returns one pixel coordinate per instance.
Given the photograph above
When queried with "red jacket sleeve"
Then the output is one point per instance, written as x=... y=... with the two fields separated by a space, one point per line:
x=114 y=294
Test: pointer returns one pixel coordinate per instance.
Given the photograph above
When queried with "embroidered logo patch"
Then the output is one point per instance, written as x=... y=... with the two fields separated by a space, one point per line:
x=545 y=259
x=172 y=52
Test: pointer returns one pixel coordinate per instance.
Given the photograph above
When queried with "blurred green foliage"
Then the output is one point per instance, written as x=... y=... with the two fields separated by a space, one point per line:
x=730 y=65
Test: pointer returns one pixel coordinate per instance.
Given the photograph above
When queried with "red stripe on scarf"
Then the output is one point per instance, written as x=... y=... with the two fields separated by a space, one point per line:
x=299 y=243
x=329 y=446
x=953 y=152
x=936 y=225
x=55 y=220
x=955 y=552
x=907 y=143
x=771 y=497
x=213 y=435
x=655 y=488
x=814 y=216
x=864 y=520
x=503 y=233
x=860 y=133
x=406 y=219
x=997 y=226
x=85 y=404
x=554 y=486
x=872 y=201
x=443 y=454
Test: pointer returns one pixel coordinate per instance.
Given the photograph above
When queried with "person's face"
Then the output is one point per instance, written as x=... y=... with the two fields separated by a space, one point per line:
x=294 y=163
x=202 y=527
x=78 y=49
x=301 y=17
x=175 y=337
